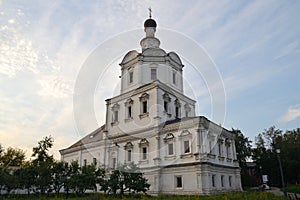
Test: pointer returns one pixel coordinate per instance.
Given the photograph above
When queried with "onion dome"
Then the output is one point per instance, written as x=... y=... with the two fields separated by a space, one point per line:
x=150 y=23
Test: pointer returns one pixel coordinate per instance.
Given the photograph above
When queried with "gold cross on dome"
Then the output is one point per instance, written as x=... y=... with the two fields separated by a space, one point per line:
x=150 y=12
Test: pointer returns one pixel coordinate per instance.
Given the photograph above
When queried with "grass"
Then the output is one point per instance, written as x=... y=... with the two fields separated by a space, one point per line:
x=293 y=189
x=226 y=196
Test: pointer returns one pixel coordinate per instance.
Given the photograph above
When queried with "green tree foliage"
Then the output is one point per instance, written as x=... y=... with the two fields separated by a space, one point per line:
x=12 y=157
x=60 y=173
x=243 y=148
x=127 y=178
x=43 y=163
x=265 y=156
x=84 y=178
x=26 y=175
x=10 y=160
x=290 y=149
x=243 y=152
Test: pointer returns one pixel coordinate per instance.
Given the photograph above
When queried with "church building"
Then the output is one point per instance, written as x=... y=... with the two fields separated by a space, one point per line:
x=153 y=124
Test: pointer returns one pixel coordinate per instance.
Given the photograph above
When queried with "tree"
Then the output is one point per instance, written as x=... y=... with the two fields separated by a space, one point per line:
x=10 y=160
x=134 y=180
x=12 y=157
x=290 y=148
x=264 y=154
x=127 y=178
x=243 y=152
x=84 y=178
x=43 y=163
x=27 y=175
x=60 y=174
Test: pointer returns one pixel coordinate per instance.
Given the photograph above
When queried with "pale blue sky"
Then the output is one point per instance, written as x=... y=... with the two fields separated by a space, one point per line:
x=43 y=45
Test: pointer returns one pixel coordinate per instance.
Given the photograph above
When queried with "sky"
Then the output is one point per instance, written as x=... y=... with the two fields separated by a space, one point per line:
x=44 y=46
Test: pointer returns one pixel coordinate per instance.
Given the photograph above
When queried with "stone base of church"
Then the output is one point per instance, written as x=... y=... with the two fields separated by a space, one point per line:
x=191 y=179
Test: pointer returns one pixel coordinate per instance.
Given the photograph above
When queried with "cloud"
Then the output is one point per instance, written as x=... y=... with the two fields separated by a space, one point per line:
x=292 y=113
x=54 y=86
x=18 y=52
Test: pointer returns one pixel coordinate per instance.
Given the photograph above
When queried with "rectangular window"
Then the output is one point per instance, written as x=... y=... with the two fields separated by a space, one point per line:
x=114 y=160
x=94 y=161
x=222 y=181
x=145 y=110
x=213 y=181
x=153 y=74
x=187 y=113
x=144 y=152
x=186 y=146
x=129 y=155
x=116 y=113
x=230 y=181
x=129 y=112
x=84 y=162
x=166 y=106
x=220 y=149
x=228 y=151
x=170 y=149
x=178 y=180
x=177 y=112
x=174 y=77
x=130 y=77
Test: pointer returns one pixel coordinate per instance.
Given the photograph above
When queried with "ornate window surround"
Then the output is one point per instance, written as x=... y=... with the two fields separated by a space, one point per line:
x=170 y=139
x=128 y=103
x=177 y=106
x=144 y=143
x=187 y=109
x=128 y=146
x=186 y=136
x=144 y=98
x=115 y=119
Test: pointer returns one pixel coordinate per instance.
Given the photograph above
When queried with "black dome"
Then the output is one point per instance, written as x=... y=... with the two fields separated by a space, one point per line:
x=150 y=23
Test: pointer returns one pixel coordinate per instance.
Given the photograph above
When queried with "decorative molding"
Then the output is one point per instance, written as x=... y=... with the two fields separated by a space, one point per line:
x=186 y=155
x=166 y=97
x=185 y=133
x=128 y=146
x=169 y=137
x=128 y=119
x=221 y=158
x=177 y=103
x=187 y=107
x=128 y=102
x=143 y=142
x=115 y=107
x=144 y=97
x=212 y=156
x=143 y=115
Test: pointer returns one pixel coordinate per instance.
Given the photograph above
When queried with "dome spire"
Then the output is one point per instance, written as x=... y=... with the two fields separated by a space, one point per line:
x=150 y=12
x=150 y=27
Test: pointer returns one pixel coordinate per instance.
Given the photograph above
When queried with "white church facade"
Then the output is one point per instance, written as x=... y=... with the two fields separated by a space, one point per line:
x=153 y=124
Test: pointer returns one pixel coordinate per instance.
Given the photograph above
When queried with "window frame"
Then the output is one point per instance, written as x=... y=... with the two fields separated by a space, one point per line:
x=144 y=155
x=174 y=78
x=213 y=180
x=188 y=149
x=170 y=148
x=178 y=182
x=144 y=105
x=153 y=76
x=130 y=79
